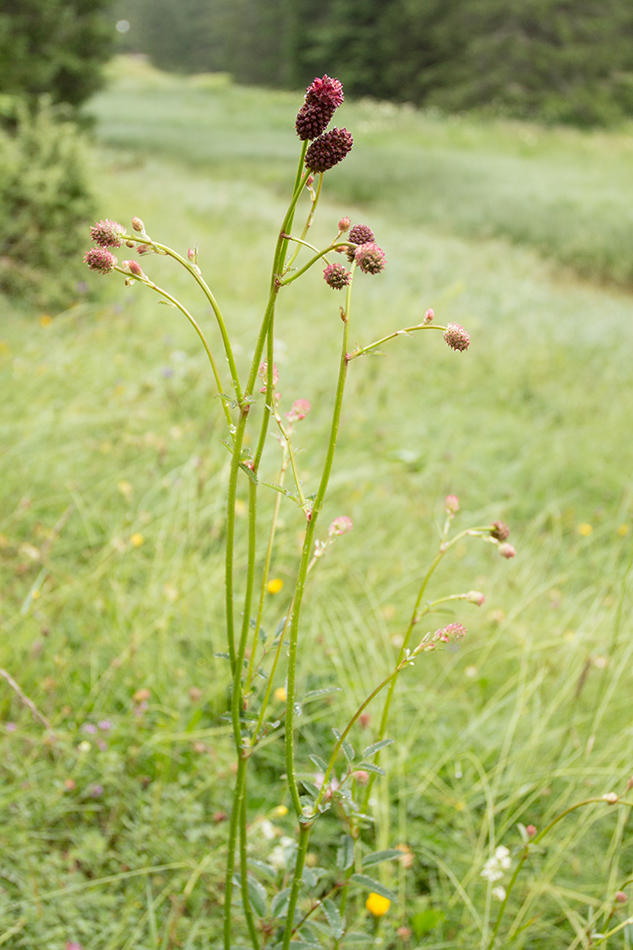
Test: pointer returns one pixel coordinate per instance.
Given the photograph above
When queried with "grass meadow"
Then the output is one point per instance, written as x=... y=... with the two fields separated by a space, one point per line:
x=112 y=525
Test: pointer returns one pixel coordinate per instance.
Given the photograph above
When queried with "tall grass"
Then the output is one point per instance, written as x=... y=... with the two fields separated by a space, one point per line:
x=108 y=420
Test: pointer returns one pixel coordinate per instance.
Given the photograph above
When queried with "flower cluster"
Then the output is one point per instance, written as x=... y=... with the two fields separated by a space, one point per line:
x=370 y=258
x=336 y=276
x=107 y=233
x=328 y=150
x=456 y=337
x=323 y=97
x=299 y=410
x=100 y=259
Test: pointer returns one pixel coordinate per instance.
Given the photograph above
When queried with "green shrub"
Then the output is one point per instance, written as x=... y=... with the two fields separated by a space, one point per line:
x=44 y=203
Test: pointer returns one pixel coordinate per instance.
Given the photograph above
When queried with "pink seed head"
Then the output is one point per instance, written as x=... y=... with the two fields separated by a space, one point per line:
x=370 y=258
x=107 y=233
x=325 y=91
x=336 y=276
x=343 y=225
x=429 y=316
x=456 y=337
x=137 y=224
x=451 y=504
x=263 y=374
x=506 y=550
x=475 y=597
x=454 y=631
x=100 y=259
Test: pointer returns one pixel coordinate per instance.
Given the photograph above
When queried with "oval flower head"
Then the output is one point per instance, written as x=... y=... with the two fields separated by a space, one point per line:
x=377 y=905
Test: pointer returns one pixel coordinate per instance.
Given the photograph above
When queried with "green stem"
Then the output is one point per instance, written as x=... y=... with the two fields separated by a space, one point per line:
x=361 y=350
x=250 y=920
x=176 y=303
x=197 y=276
x=302 y=850
x=305 y=559
x=313 y=260
x=238 y=794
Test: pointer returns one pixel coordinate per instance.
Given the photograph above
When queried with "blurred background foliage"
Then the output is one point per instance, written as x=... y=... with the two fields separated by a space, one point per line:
x=554 y=60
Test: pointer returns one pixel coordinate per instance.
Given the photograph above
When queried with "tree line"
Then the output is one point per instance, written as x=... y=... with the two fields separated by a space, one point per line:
x=554 y=60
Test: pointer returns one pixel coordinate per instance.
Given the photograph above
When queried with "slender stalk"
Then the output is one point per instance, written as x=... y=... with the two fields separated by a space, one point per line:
x=176 y=303
x=305 y=558
x=197 y=276
x=361 y=350
x=236 y=812
x=250 y=920
x=313 y=260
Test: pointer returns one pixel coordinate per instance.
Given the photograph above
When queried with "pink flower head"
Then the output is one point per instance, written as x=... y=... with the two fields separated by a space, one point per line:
x=370 y=258
x=451 y=505
x=328 y=150
x=300 y=409
x=336 y=276
x=454 y=631
x=429 y=316
x=530 y=830
x=499 y=531
x=343 y=225
x=506 y=550
x=361 y=234
x=340 y=525
x=456 y=337
x=325 y=91
x=100 y=259
x=107 y=233
x=263 y=374
x=137 y=224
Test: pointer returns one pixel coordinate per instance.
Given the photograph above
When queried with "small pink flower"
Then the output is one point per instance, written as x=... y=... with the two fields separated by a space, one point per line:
x=530 y=830
x=506 y=550
x=370 y=258
x=456 y=337
x=263 y=374
x=340 y=525
x=621 y=897
x=361 y=234
x=107 y=233
x=137 y=224
x=429 y=316
x=343 y=225
x=100 y=259
x=453 y=631
x=361 y=776
x=336 y=276
x=451 y=505
x=300 y=409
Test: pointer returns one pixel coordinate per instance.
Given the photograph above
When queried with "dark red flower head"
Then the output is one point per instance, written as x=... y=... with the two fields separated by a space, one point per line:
x=328 y=150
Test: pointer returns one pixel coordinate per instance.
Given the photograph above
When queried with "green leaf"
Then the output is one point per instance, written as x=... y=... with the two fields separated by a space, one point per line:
x=311 y=789
x=319 y=762
x=279 y=904
x=345 y=853
x=257 y=896
x=333 y=917
x=249 y=471
x=347 y=747
x=370 y=767
x=425 y=921
x=263 y=868
x=223 y=656
x=365 y=939
x=377 y=857
x=317 y=693
x=376 y=747
x=370 y=885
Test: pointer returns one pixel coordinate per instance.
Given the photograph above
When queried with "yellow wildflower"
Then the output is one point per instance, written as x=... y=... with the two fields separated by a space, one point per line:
x=377 y=905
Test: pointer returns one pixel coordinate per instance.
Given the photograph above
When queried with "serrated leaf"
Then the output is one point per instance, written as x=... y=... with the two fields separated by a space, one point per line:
x=333 y=917
x=249 y=471
x=279 y=904
x=309 y=878
x=369 y=884
x=377 y=857
x=319 y=762
x=223 y=656
x=370 y=767
x=347 y=747
x=311 y=789
x=257 y=896
x=376 y=747
x=317 y=693
x=345 y=853
x=267 y=869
